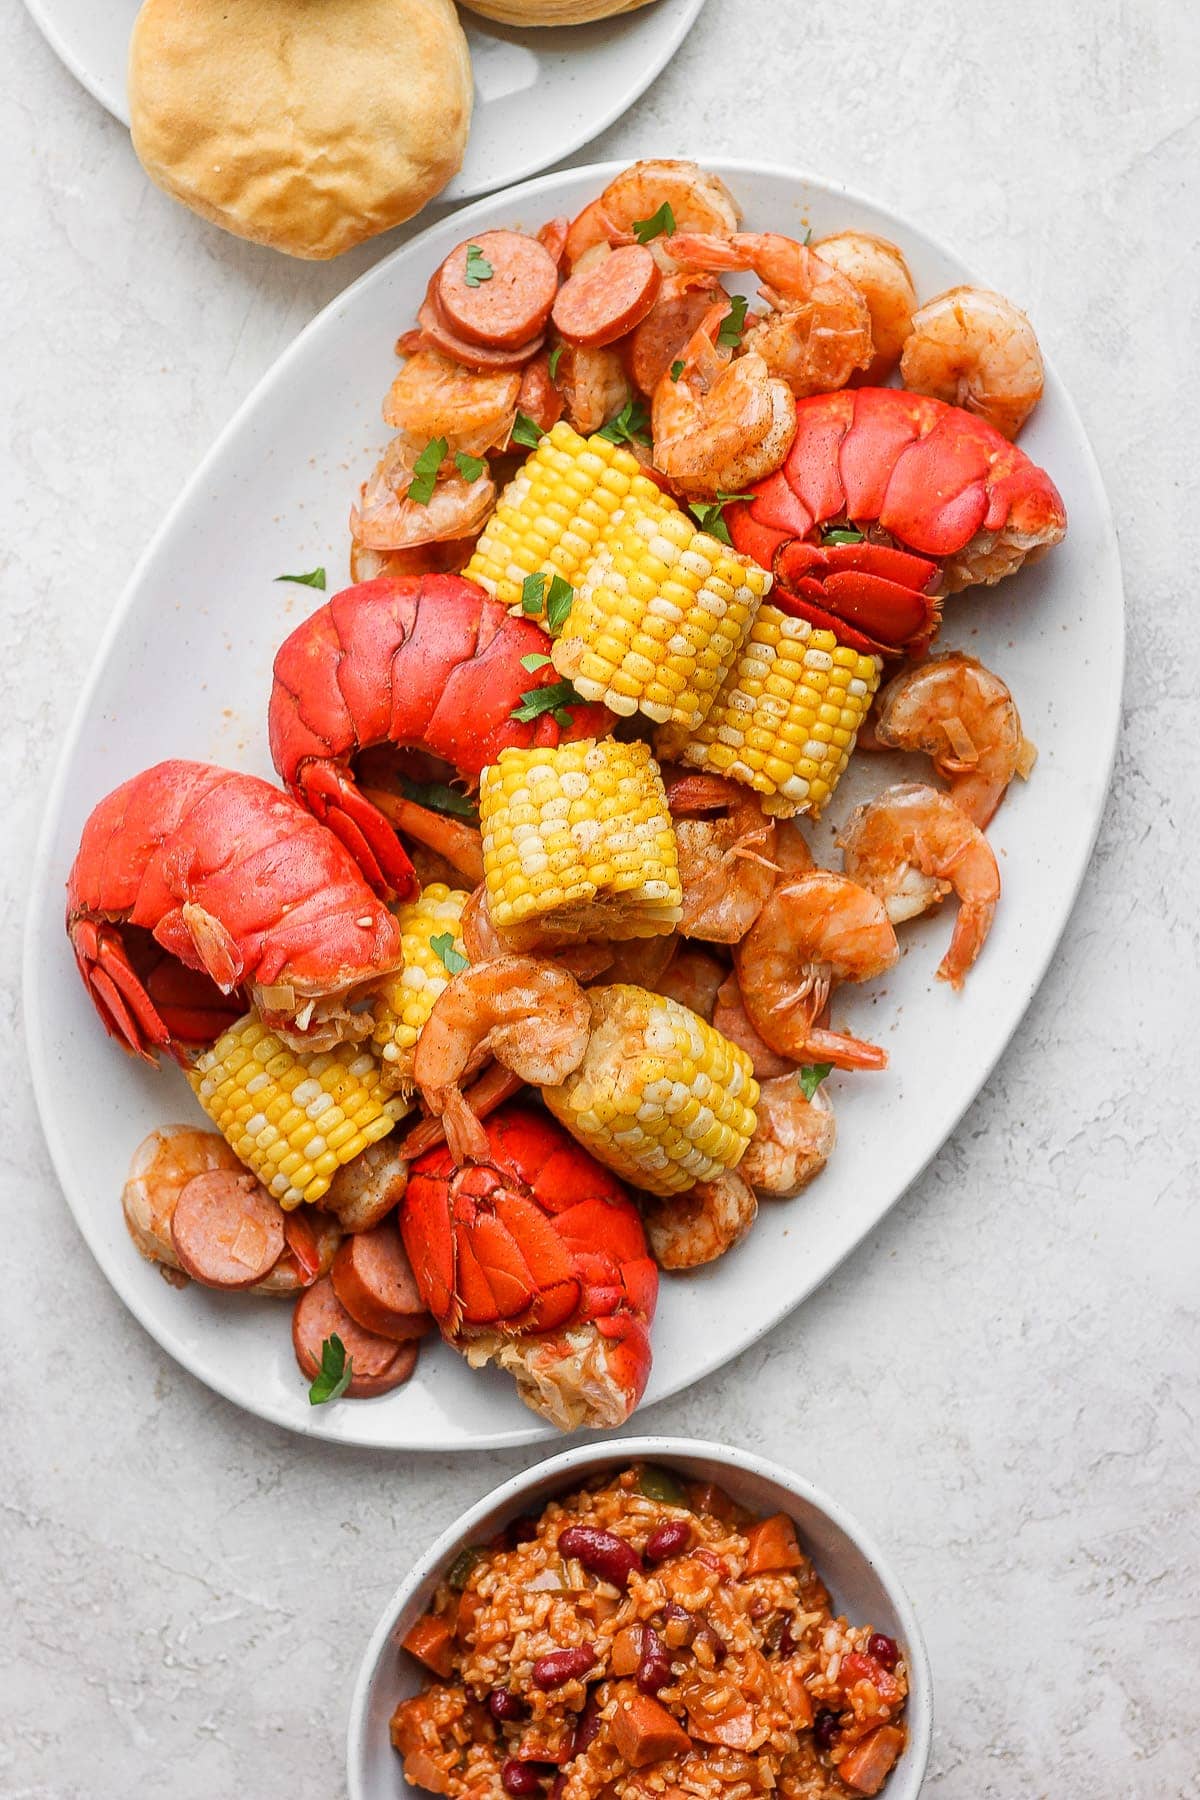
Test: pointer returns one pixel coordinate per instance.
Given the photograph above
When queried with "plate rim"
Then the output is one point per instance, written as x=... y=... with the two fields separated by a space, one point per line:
x=687 y=12
x=37 y=920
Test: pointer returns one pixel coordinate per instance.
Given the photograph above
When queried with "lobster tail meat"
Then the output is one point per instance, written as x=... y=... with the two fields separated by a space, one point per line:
x=931 y=498
x=423 y=662
x=239 y=885
x=536 y=1259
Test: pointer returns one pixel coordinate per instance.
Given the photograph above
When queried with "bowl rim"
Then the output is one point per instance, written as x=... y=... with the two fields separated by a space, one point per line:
x=589 y=1457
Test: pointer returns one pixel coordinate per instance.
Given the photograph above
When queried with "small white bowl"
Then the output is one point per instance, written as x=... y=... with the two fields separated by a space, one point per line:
x=853 y=1568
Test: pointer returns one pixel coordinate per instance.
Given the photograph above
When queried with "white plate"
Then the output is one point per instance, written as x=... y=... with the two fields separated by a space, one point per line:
x=185 y=670
x=538 y=94
x=862 y=1586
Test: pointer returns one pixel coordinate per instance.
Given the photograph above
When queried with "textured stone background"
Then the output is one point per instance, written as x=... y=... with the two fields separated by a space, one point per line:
x=1002 y=1382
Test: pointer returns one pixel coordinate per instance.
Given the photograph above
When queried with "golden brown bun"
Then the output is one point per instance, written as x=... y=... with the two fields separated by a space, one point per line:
x=308 y=125
x=551 y=12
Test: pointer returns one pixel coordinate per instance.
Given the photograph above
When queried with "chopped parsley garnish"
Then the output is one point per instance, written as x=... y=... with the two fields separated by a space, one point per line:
x=807 y=238
x=478 y=267
x=533 y=662
x=734 y=323
x=810 y=1077
x=436 y=796
x=425 y=471
x=841 y=534
x=558 y=603
x=659 y=224
x=532 y=589
x=443 y=947
x=552 y=365
x=526 y=431
x=676 y=369
x=314 y=578
x=631 y=424
x=554 y=699
x=710 y=515
x=469 y=467
x=334 y=1375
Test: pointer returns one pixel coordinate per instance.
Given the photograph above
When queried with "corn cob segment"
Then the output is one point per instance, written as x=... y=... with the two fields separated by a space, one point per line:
x=786 y=718
x=552 y=514
x=578 y=843
x=661 y=1098
x=404 y=1001
x=659 y=616
x=293 y=1118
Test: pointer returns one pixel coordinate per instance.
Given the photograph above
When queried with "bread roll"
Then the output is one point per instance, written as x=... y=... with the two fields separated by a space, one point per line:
x=308 y=125
x=552 y=12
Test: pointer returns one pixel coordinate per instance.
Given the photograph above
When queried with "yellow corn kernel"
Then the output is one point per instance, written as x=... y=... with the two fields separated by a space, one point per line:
x=404 y=1001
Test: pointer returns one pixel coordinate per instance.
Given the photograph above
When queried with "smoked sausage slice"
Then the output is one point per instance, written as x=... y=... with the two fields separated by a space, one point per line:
x=227 y=1231
x=438 y=335
x=505 y=309
x=601 y=304
x=373 y=1279
x=379 y=1364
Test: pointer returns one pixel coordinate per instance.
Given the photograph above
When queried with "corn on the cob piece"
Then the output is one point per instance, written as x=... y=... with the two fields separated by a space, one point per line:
x=786 y=718
x=660 y=1097
x=578 y=842
x=404 y=1001
x=293 y=1118
x=659 y=616
x=552 y=514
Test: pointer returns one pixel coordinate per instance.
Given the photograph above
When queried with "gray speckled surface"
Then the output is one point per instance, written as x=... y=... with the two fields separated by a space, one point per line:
x=1002 y=1382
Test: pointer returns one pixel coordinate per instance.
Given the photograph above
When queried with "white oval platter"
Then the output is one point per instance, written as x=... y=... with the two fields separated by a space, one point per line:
x=185 y=670
x=539 y=94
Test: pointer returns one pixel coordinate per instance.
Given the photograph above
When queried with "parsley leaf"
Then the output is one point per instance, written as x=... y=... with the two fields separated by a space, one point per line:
x=443 y=947
x=676 y=370
x=734 y=323
x=552 y=365
x=526 y=431
x=533 y=662
x=842 y=534
x=558 y=603
x=469 y=467
x=553 y=698
x=657 y=225
x=807 y=238
x=811 y=1076
x=425 y=470
x=335 y=1373
x=631 y=423
x=710 y=516
x=314 y=578
x=532 y=589
x=478 y=267
x=435 y=796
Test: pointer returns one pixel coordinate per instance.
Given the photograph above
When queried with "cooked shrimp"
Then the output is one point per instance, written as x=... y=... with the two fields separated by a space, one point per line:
x=726 y=864
x=422 y=559
x=963 y=717
x=881 y=275
x=912 y=846
x=695 y=1227
x=531 y=1016
x=814 y=930
x=723 y=424
x=975 y=349
x=730 y=1018
x=793 y=1138
x=698 y=202
x=368 y=1187
x=483 y=942
x=593 y=385
x=454 y=840
x=818 y=330
x=433 y=397
x=693 y=977
x=791 y=854
x=386 y=519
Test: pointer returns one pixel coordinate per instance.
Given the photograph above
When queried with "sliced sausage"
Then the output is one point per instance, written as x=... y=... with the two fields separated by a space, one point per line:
x=373 y=1279
x=599 y=305
x=162 y=1166
x=438 y=335
x=553 y=235
x=662 y=335
x=507 y=307
x=311 y=1237
x=226 y=1230
x=379 y=1364
x=538 y=398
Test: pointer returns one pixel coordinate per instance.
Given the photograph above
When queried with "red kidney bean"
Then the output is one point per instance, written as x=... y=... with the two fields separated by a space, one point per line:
x=654 y=1670
x=668 y=1539
x=506 y=1706
x=825 y=1729
x=586 y=1729
x=883 y=1650
x=704 y=1634
x=675 y=1614
x=556 y=1788
x=602 y=1553
x=522 y=1778
x=558 y=1667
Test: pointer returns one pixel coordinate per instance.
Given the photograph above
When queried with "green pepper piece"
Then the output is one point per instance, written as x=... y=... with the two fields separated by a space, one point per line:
x=460 y=1570
x=657 y=1483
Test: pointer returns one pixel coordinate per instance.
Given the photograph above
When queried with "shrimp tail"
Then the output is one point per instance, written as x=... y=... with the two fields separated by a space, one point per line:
x=844 y=1052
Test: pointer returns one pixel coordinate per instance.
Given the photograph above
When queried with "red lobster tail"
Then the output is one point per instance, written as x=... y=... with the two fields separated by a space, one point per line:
x=126 y=1010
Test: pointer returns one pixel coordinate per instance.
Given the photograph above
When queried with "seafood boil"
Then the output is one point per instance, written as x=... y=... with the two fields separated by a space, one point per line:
x=526 y=986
